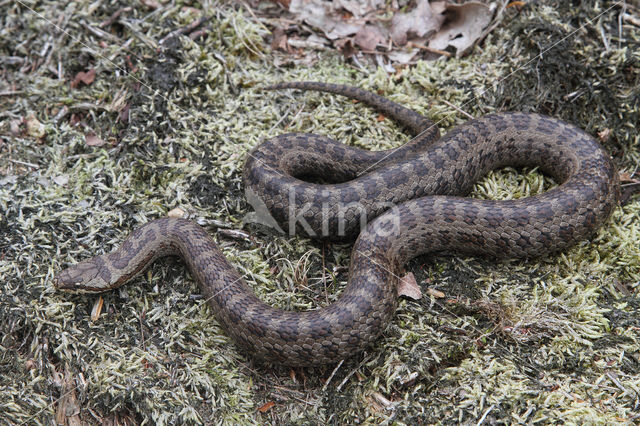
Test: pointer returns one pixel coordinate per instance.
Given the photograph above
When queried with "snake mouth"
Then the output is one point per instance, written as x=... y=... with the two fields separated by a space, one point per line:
x=79 y=278
x=71 y=287
x=66 y=285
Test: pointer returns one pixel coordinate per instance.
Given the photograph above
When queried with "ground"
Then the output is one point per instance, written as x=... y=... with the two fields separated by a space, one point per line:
x=168 y=125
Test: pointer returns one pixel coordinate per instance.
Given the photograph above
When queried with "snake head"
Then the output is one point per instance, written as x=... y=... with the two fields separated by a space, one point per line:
x=85 y=277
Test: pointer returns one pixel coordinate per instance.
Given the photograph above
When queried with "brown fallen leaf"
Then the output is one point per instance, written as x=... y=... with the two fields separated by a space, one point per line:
x=369 y=37
x=151 y=4
x=266 y=407
x=93 y=140
x=15 y=126
x=604 y=134
x=629 y=186
x=76 y=119
x=422 y=21
x=464 y=26
x=123 y=115
x=320 y=14
x=133 y=68
x=283 y=3
x=35 y=128
x=359 y=8
x=408 y=286
x=61 y=180
x=84 y=77
x=177 y=213
x=280 y=40
x=346 y=47
x=627 y=177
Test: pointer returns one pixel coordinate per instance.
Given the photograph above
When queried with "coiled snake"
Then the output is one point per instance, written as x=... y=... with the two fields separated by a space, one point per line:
x=405 y=197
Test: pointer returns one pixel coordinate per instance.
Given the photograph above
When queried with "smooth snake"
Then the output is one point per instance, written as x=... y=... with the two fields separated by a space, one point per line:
x=408 y=200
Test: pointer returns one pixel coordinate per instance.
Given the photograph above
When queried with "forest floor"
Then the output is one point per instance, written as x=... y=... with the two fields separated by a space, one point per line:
x=106 y=127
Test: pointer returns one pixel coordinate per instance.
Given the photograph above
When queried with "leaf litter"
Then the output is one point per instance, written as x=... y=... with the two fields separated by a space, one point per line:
x=375 y=27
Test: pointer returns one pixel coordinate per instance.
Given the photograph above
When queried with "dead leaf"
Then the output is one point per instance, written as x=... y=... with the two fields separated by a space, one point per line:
x=359 y=8
x=266 y=407
x=75 y=119
x=369 y=37
x=628 y=178
x=283 y=3
x=408 y=286
x=130 y=64
x=345 y=46
x=604 y=134
x=464 y=26
x=151 y=4
x=93 y=140
x=123 y=115
x=176 y=213
x=8 y=180
x=84 y=77
x=35 y=128
x=422 y=21
x=279 y=40
x=318 y=14
x=14 y=127
x=61 y=180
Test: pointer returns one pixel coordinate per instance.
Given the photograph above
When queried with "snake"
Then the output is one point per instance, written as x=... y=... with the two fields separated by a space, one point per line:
x=399 y=203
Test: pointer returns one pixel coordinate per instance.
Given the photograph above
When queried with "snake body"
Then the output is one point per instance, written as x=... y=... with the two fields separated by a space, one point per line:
x=409 y=201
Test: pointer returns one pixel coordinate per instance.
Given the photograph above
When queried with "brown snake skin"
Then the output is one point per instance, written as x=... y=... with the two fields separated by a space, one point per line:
x=394 y=190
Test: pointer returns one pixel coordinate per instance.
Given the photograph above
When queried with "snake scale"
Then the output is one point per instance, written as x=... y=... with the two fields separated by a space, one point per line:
x=409 y=201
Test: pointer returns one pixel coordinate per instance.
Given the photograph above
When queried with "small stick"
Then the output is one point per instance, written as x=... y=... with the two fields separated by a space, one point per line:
x=461 y=111
x=185 y=30
x=324 y=276
x=101 y=34
x=115 y=16
x=24 y=163
x=324 y=388
x=429 y=49
x=342 y=383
